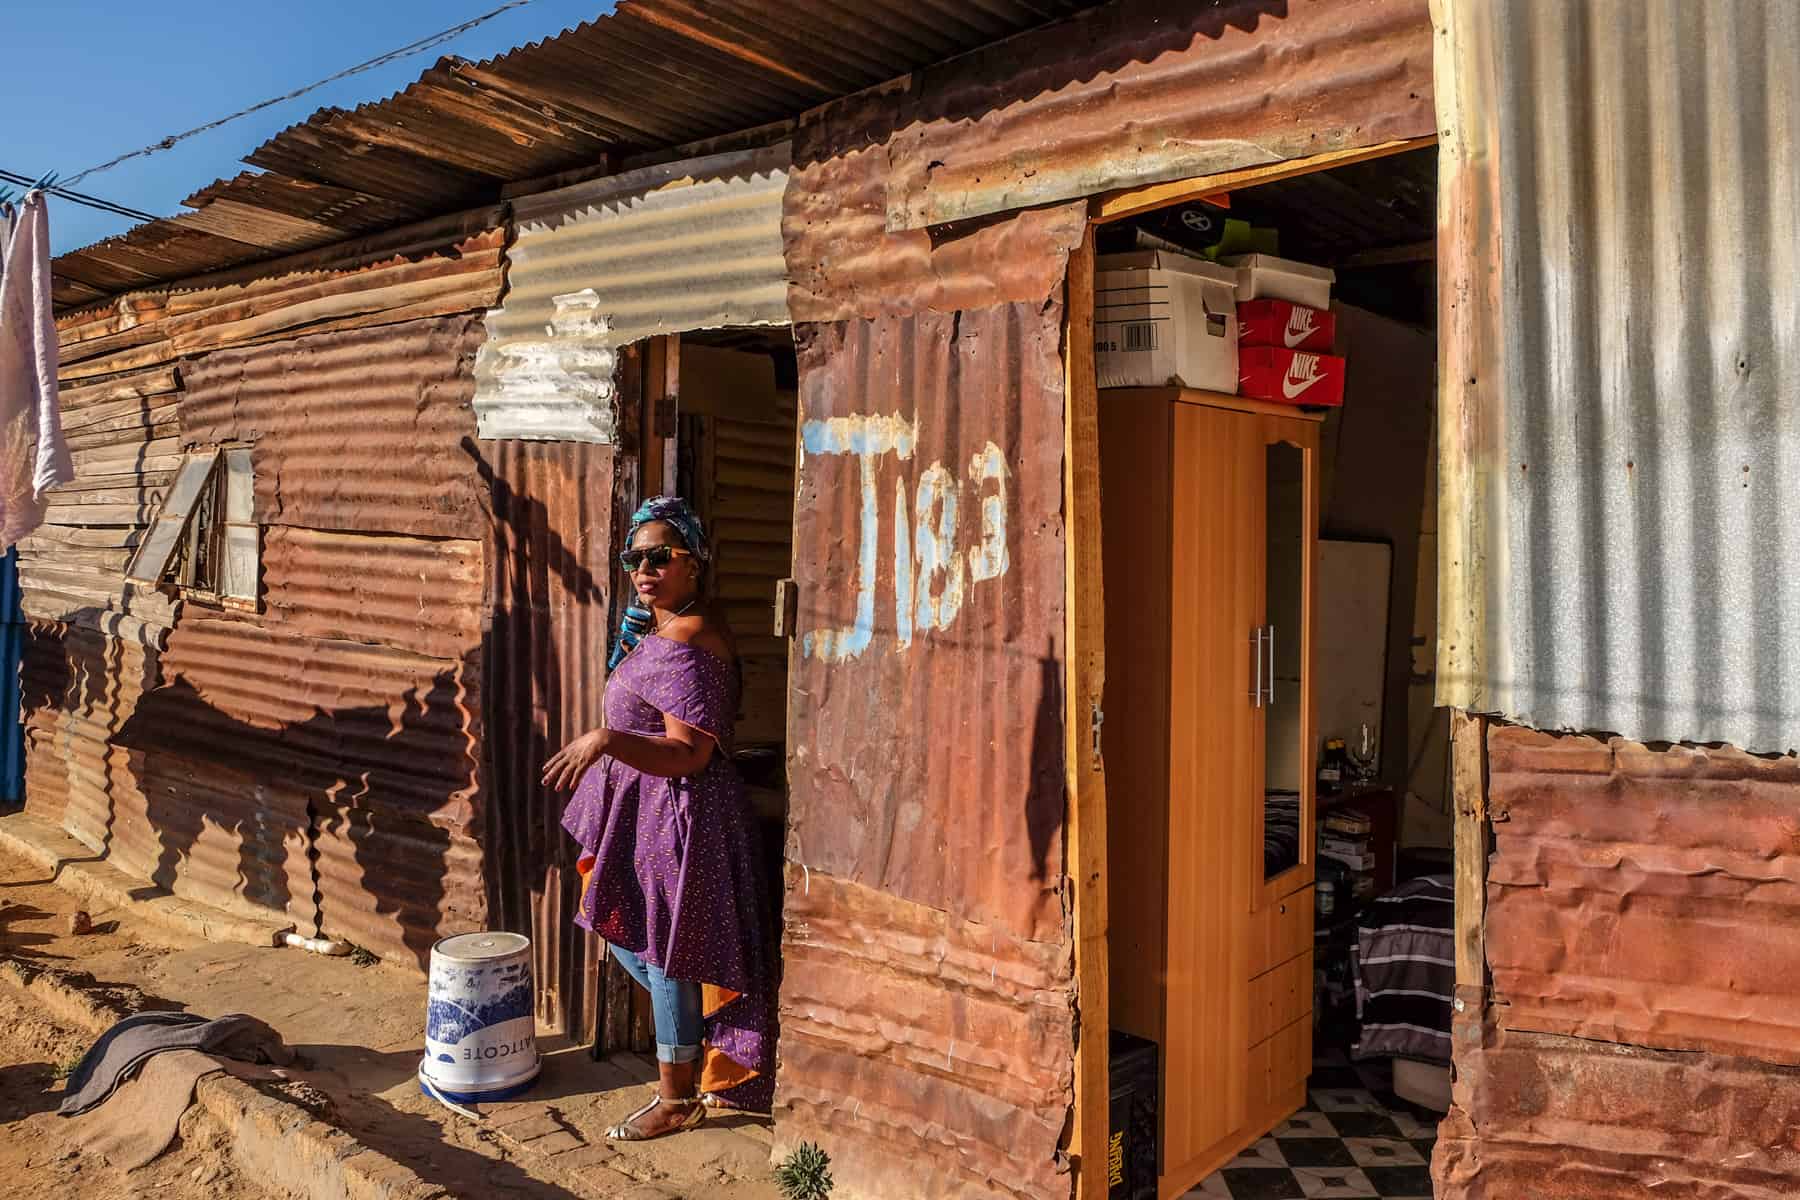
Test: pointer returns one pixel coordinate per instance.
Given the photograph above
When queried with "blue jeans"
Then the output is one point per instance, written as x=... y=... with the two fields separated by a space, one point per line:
x=675 y=1003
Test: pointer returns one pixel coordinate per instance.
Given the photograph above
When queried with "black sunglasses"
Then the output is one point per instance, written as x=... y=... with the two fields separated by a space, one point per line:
x=654 y=557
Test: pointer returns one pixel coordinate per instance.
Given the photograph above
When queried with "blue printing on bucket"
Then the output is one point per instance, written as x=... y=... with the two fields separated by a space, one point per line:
x=488 y=1096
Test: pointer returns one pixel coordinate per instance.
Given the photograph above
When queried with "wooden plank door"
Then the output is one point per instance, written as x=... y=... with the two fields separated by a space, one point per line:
x=1216 y=540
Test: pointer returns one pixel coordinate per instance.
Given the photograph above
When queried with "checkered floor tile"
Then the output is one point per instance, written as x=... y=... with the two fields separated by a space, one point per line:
x=1355 y=1139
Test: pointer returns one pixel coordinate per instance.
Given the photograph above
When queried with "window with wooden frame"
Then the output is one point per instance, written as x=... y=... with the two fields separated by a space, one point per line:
x=204 y=538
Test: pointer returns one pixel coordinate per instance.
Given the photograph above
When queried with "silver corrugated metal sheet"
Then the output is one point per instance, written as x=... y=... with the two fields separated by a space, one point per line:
x=1621 y=193
x=689 y=245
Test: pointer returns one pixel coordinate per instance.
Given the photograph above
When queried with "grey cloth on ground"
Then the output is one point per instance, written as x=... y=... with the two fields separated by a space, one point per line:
x=122 y=1049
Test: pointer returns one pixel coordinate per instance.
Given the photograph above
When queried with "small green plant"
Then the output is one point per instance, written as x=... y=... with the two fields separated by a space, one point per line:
x=361 y=957
x=66 y=1067
x=806 y=1175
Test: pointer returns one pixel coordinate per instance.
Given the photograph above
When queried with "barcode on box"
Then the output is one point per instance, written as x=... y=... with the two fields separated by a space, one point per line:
x=1140 y=335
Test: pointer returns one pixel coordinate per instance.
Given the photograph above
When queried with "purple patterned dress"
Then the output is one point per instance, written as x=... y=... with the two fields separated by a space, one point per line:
x=675 y=864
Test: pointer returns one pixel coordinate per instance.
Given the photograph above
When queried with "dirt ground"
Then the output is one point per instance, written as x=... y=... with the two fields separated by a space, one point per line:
x=359 y=1031
x=39 y=1160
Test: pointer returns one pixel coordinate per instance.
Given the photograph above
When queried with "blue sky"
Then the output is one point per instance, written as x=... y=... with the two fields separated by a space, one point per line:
x=85 y=81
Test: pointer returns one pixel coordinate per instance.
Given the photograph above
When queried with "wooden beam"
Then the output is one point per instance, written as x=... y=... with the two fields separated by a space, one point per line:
x=1129 y=202
x=1469 y=780
x=1085 y=681
x=1389 y=256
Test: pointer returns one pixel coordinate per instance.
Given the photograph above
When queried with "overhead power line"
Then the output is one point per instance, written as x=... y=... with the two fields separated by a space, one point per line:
x=406 y=51
x=57 y=189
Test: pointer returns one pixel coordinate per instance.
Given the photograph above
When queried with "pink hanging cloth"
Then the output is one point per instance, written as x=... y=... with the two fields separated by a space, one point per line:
x=33 y=456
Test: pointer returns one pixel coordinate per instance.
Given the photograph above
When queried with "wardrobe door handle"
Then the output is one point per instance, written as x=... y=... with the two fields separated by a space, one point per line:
x=1256 y=666
x=1271 y=666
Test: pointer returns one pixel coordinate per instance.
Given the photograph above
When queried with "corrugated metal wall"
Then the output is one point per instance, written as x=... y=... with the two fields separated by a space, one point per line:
x=1621 y=208
x=212 y=751
x=548 y=549
x=690 y=245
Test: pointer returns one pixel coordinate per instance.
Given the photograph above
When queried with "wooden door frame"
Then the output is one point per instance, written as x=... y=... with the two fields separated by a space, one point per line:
x=1084 y=679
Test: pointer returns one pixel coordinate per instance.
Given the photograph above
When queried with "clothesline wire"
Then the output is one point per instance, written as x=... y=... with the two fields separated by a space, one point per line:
x=57 y=189
x=406 y=51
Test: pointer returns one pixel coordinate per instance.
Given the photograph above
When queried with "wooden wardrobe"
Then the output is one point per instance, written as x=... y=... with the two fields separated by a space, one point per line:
x=1210 y=510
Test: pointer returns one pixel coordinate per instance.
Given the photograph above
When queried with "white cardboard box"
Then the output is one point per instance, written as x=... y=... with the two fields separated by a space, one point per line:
x=1265 y=277
x=1162 y=318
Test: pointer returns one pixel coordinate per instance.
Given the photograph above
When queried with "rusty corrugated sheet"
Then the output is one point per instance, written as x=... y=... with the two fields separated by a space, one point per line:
x=395 y=885
x=368 y=725
x=418 y=594
x=1141 y=92
x=362 y=430
x=925 y=754
x=1619 y=437
x=1646 y=896
x=212 y=833
x=690 y=245
x=79 y=689
x=957 y=1081
x=650 y=75
x=549 y=557
x=1572 y=1119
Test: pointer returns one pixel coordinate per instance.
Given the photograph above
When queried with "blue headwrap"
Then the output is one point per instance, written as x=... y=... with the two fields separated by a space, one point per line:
x=639 y=620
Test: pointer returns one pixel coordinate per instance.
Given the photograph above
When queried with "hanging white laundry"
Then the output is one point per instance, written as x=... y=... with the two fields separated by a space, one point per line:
x=33 y=456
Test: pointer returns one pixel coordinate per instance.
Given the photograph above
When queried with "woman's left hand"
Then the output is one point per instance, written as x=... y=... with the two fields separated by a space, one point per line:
x=568 y=765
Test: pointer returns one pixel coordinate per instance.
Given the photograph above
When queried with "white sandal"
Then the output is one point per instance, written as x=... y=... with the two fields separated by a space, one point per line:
x=623 y=1131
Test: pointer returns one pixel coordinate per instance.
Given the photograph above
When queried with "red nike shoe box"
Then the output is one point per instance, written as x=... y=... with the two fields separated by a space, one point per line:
x=1290 y=326
x=1291 y=376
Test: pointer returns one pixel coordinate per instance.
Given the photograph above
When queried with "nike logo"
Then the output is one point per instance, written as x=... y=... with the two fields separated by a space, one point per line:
x=1302 y=373
x=1299 y=327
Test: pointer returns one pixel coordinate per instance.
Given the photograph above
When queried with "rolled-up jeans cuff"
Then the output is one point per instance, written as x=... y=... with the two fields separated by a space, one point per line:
x=677 y=1054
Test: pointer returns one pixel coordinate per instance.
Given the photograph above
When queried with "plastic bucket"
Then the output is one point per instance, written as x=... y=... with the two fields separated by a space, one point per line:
x=480 y=1034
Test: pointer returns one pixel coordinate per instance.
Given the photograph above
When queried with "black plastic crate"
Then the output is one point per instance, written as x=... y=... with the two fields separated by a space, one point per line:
x=1131 y=1136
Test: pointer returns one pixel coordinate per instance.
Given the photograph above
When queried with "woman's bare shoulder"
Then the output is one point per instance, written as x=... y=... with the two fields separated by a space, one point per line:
x=701 y=632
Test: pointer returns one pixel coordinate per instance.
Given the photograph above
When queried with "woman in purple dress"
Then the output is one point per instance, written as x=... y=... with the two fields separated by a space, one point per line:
x=668 y=858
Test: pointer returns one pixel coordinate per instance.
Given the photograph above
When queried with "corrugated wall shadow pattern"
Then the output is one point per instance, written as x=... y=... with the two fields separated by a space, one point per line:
x=549 y=556
x=1622 y=213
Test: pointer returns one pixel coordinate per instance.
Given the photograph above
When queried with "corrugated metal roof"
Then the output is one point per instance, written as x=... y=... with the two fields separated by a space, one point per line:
x=667 y=249
x=1040 y=121
x=651 y=75
x=1621 y=217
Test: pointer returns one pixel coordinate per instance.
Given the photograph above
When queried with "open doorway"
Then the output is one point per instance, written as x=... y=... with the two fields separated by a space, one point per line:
x=738 y=411
x=1276 y=774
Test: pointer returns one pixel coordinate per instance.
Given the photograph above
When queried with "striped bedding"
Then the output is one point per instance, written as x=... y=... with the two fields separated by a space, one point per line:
x=1405 y=971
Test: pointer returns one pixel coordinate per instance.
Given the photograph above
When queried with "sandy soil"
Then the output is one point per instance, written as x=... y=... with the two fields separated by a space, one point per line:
x=38 y=1160
x=359 y=1031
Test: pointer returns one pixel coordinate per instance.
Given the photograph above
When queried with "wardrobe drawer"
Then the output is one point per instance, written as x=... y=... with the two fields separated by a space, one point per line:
x=1279 y=1067
x=1280 y=931
x=1280 y=997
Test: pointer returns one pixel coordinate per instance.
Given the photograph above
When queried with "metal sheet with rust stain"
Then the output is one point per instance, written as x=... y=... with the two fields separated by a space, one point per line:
x=1137 y=92
x=957 y=1081
x=394 y=885
x=370 y=726
x=423 y=595
x=1645 y=896
x=1617 y=531
x=550 y=587
x=362 y=430
x=925 y=754
x=1543 y=1115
